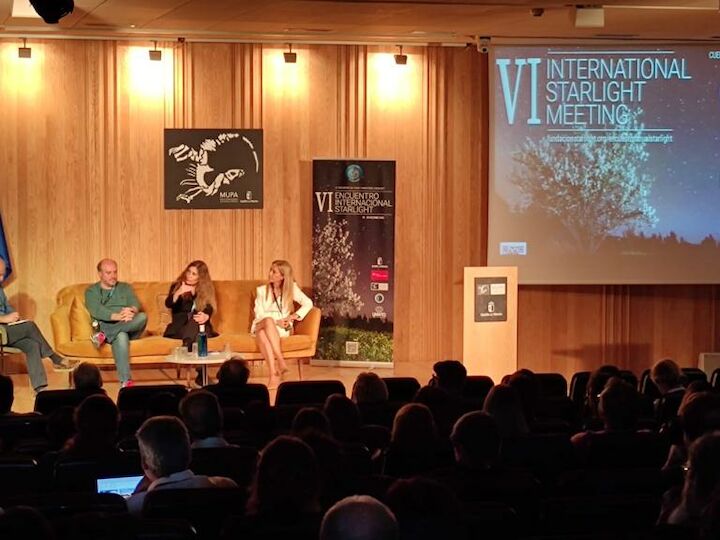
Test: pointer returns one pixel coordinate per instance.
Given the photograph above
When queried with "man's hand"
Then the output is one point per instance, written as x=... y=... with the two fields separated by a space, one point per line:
x=201 y=317
x=10 y=317
x=126 y=314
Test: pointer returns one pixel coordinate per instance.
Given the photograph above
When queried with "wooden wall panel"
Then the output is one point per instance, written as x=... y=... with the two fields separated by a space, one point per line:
x=81 y=147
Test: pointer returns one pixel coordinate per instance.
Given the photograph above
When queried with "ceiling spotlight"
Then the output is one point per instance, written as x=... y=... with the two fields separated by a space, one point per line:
x=400 y=58
x=155 y=54
x=24 y=51
x=290 y=57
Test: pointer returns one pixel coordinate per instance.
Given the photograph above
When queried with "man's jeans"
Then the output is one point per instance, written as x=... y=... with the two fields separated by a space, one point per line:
x=119 y=334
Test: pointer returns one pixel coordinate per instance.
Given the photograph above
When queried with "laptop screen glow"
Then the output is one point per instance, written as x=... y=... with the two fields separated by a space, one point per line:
x=122 y=485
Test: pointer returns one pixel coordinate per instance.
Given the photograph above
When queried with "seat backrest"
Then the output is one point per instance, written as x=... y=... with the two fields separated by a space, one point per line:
x=49 y=401
x=18 y=427
x=240 y=396
x=57 y=505
x=542 y=454
x=81 y=474
x=119 y=527
x=578 y=387
x=206 y=509
x=629 y=377
x=19 y=475
x=402 y=389
x=236 y=462
x=715 y=379
x=476 y=388
x=307 y=392
x=135 y=398
x=647 y=386
x=693 y=374
x=551 y=385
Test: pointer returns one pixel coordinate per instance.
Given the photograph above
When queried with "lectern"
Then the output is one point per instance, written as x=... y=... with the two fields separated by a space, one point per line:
x=490 y=321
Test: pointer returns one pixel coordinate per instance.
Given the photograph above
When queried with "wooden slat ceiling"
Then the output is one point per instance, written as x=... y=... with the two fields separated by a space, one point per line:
x=400 y=21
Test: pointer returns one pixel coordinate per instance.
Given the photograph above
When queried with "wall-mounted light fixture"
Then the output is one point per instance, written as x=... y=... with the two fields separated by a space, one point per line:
x=155 y=53
x=290 y=57
x=24 y=51
x=400 y=58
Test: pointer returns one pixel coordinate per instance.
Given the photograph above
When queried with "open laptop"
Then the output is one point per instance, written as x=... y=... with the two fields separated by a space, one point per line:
x=122 y=485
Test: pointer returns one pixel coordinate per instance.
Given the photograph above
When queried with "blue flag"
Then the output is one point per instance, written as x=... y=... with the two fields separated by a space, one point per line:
x=4 y=253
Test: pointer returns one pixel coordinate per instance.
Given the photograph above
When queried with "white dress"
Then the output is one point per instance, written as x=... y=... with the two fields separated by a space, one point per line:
x=279 y=308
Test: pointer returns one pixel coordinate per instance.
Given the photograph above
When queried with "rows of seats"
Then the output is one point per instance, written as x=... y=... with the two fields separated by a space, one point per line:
x=545 y=489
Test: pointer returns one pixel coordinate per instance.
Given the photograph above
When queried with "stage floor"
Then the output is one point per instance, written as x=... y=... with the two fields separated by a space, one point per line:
x=25 y=398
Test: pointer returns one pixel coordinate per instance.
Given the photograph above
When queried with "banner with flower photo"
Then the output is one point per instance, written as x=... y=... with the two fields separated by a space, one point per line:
x=353 y=259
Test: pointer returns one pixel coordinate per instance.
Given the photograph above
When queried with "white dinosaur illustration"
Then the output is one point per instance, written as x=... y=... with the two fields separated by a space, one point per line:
x=200 y=168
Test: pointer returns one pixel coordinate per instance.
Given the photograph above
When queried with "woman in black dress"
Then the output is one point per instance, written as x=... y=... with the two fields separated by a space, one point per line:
x=192 y=301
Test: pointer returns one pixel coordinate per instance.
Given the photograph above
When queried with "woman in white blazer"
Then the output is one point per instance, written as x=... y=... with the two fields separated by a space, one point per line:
x=275 y=314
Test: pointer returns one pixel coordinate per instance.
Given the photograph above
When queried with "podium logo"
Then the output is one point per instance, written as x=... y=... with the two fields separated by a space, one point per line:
x=513 y=248
x=520 y=68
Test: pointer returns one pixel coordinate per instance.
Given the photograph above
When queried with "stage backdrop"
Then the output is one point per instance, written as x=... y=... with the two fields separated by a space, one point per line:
x=213 y=168
x=353 y=259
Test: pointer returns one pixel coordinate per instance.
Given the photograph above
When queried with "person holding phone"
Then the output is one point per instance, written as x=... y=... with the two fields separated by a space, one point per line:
x=275 y=315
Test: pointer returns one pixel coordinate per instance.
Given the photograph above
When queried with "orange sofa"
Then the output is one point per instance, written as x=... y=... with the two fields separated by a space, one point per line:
x=71 y=325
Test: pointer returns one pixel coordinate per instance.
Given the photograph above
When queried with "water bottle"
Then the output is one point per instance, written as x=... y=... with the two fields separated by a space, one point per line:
x=202 y=342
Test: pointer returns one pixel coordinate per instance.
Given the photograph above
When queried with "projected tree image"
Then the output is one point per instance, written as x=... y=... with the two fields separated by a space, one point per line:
x=334 y=283
x=593 y=186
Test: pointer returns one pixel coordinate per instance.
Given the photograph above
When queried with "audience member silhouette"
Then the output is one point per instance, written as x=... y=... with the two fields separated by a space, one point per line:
x=369 y=388
x=450 y=375
x=698 y=414
x=359 y=517
x=312 y=427
x=233 y=373
x=528 y=388
x=371 y=395
x=445 y=408
x=87 y=379
x=667 y=376
x=476 y=474
x=596 y=383
x=203 y=417
x=7 y=395
x=619 y=444
x=285 y=491
x=344 y=417
x=165 y=453
x=702 y=481
x=310 y=419
x=413 y=443
x=96 y=425
x=504 y=405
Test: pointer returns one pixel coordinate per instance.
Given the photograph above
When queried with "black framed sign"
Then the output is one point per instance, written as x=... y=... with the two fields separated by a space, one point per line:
x=213 y=168
x=490 y=299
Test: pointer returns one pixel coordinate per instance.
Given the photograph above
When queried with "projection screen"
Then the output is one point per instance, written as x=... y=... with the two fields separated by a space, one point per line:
x=605 y=163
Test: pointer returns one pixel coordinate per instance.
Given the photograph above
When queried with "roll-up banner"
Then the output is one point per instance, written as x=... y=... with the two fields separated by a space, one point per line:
x=353 y=260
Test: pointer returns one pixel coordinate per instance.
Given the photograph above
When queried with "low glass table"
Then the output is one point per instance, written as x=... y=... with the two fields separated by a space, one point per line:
x=202 y=362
